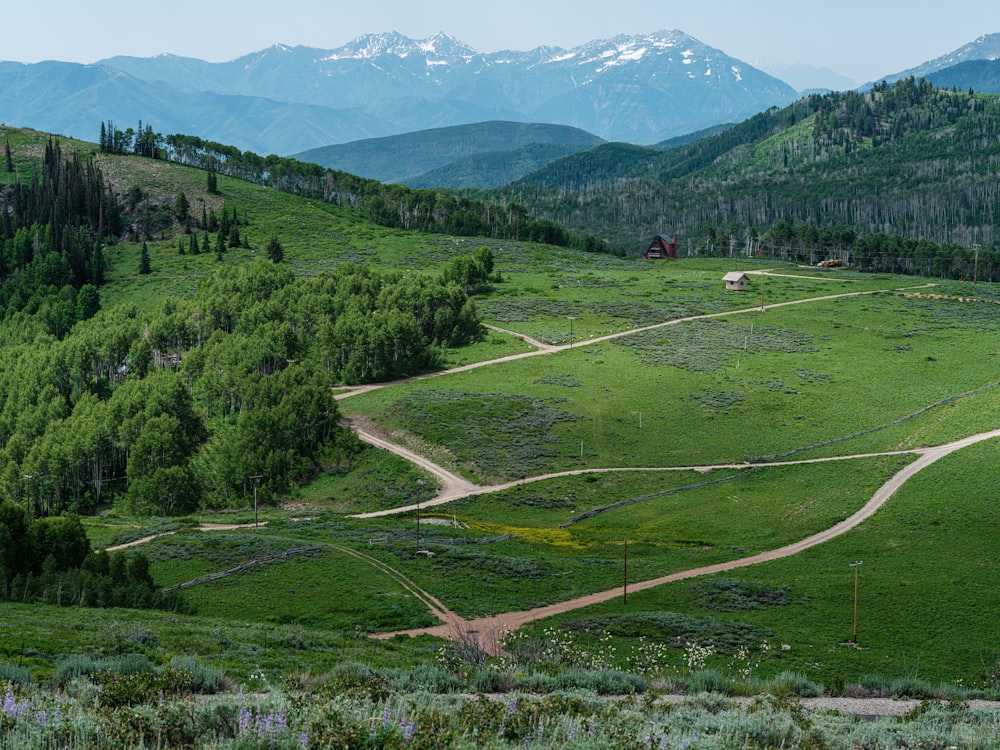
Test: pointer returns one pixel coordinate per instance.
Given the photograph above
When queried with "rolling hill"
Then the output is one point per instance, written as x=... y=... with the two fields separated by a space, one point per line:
x=508 y=150
x=777 y=425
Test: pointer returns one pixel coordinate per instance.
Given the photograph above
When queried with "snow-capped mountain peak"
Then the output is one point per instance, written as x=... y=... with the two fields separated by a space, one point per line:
x=372 y=46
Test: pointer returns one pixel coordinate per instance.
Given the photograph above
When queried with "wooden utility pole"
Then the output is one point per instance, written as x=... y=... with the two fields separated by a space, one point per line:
x=856 y=565
x=256 y=483
x=625 y=578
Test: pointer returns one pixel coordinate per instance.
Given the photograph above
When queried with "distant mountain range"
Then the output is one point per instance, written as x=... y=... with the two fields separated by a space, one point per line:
x=285 y=100
x=639 y=89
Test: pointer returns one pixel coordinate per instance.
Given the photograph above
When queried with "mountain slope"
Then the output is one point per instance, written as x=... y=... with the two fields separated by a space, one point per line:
x=74 y=100
x=986 y=47
x=403 y=157
x=493 y=169
x=906 y=159
x=979 y=75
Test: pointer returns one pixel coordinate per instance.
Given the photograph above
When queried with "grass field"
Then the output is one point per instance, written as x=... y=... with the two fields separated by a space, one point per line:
x=872 y=371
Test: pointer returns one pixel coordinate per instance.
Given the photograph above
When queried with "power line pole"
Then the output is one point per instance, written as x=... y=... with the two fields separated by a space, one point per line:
x=856 y=565
x=256 y=483
x=625 y=575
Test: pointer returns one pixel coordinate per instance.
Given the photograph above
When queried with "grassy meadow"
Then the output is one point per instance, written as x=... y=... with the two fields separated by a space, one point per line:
x=870 y=370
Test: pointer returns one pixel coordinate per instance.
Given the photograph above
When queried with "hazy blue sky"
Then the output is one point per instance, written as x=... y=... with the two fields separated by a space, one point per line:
x=861 y=39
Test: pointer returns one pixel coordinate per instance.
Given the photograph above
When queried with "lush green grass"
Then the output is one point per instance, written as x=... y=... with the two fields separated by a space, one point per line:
x=375 y=480
x=718 y=391
x=508 y=550
x=787 y=380
x=927 y=604
x=239 y=645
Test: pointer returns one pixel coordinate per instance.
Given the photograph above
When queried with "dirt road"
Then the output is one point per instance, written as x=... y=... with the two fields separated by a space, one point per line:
x=492 y=627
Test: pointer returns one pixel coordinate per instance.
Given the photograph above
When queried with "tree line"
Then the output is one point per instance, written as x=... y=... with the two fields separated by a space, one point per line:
x=394 y=206
x=53 y=231
x=871 y=252
x=49 y=560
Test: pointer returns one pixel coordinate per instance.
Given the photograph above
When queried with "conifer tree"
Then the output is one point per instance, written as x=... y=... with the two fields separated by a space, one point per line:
x=193 y=244
x=274 y=250
x=144 y=260
x=8 y=159
x=180 y=246
x=182 y=207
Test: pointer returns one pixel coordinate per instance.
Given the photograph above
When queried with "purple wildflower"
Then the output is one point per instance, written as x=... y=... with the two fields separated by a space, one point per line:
x=386 y=717
x=511 y=706
x=13 y=707
x=408 y=728
x=304 y=739
x=245 y=723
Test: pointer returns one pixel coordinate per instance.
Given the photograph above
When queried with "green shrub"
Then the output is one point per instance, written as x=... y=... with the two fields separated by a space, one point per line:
x=914 y=687
x=485 y=681
x=354 y=679
x=204 y=678
x=75 y=665
x=869 y=686
x=128 y=664
x=791 y=683
x=14 y=674
x=709 y=681
x=429 y=678
x=601 y=681
x=134 y=688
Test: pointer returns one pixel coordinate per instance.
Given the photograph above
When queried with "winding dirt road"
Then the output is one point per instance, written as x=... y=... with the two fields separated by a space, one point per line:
x=493 y=626
x=487 y=630
x=454 y=487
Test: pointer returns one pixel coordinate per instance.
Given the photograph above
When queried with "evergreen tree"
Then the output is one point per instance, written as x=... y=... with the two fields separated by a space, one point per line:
x=220 y=246
x=206 y=244
x=193 y=244
x=182 y=207
x=274 y=250
x=144 y=267
x=212 y=183
x=180 y=246
x=8 y=159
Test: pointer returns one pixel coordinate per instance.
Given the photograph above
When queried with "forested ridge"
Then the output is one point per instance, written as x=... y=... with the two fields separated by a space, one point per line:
x=904 y=165
x=389 y=205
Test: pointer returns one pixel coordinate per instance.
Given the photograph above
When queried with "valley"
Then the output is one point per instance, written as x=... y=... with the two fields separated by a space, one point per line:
x=395 y=448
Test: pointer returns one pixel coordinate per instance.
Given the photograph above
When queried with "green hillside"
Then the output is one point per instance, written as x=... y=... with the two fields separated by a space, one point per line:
x=210 y=386
x=401 y=158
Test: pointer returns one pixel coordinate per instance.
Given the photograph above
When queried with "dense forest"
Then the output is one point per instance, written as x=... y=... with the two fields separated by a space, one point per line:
x=53 y=230
x=184 y=405
x=907 y=161
x=50 y=560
